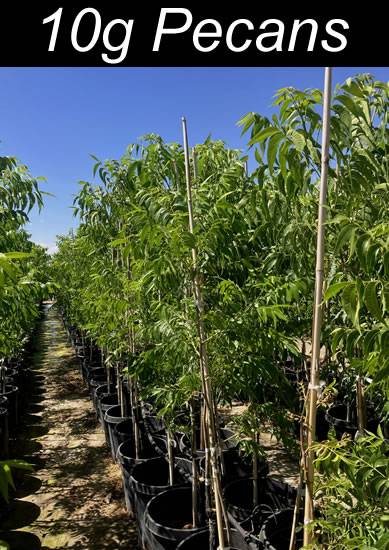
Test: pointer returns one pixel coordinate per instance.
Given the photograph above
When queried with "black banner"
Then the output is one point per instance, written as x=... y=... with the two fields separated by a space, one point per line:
x=85 y=34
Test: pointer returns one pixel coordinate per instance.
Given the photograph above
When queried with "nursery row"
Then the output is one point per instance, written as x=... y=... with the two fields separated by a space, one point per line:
x=195 y=281
x=159 y=466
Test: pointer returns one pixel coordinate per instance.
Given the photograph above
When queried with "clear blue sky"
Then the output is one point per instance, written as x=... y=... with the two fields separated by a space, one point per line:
x=53 y=118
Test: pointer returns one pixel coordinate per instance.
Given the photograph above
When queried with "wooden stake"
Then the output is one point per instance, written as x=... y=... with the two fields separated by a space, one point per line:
x=170 y=443
x=313 y=387
x=204 y=364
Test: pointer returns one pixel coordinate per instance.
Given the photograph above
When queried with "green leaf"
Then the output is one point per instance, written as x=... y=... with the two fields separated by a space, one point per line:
x=383 y=542
x=17 y=255
x=188 y=239
x=118 y=241
x=263 y=134
x=368 y=341
x=344 y=236
x=383 y=373
x=361 y=247
x=371 y=302
x=334 y=289
x=272 y=149
x=349 y=301
x=371 y=256
x=298 y=140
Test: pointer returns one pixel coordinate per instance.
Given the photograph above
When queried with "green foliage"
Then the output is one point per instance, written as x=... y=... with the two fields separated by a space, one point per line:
x=24 y=266
x=126 y=277
x=6 y=478
x=352 y=491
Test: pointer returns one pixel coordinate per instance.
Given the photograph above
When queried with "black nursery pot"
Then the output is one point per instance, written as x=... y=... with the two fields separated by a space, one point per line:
x=149 y=478
x=237 y=466
x=104 y=404
x=122 y=431
x=275 y=494
x=276 y=531
x=3 y=432
x=336 y=416
x=126 y=456
x=200 y=541
x=168 y=518
x=12 y=393
x=113 y=416
x=96 y=373
x=98 y=393
x=95 y=383
x=227 y=437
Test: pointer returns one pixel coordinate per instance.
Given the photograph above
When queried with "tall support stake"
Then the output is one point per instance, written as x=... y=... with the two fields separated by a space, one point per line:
x=204 y=365
x=318 y=297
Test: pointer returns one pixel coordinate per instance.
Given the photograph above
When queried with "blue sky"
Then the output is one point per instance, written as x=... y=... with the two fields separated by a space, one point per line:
x=52 y=119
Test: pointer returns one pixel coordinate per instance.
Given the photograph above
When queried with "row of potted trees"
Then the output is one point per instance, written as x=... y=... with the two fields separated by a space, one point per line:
x=195 y=281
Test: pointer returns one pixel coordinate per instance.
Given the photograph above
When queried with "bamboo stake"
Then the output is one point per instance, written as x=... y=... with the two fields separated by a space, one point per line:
x=170 y=444
x=204 y=364
x=313 y=387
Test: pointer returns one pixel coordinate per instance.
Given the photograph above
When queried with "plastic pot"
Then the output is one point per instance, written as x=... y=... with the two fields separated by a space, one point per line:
x=122 y=431
x=12 y=393
x=98 y=393
x=104 y=404
x=227 y=437
x=149 y=478
x=200 y=541
x=113 y=416
x=237 y=466
x=275 y=494
x=276 y=531
x=126 y=456
x=96 y=374
x=95 y=383
x=168 y=518
x=154 y=425
x=86 y=366
x=336 y=416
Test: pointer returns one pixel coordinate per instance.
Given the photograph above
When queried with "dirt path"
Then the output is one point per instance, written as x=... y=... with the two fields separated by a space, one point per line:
x=75 y=499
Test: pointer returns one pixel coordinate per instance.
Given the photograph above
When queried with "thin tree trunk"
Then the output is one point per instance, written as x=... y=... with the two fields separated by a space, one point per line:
x=195 y=521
